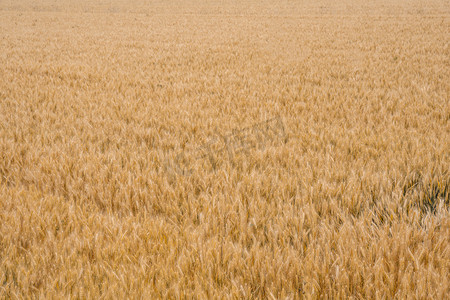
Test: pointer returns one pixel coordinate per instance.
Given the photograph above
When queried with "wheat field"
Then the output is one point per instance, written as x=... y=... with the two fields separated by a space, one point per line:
x=105 y=106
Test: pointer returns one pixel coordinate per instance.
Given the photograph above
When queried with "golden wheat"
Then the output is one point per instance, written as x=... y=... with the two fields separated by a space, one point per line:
x=99 y=99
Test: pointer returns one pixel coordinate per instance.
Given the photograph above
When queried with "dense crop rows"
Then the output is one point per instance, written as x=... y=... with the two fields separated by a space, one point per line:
x=100 y=99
